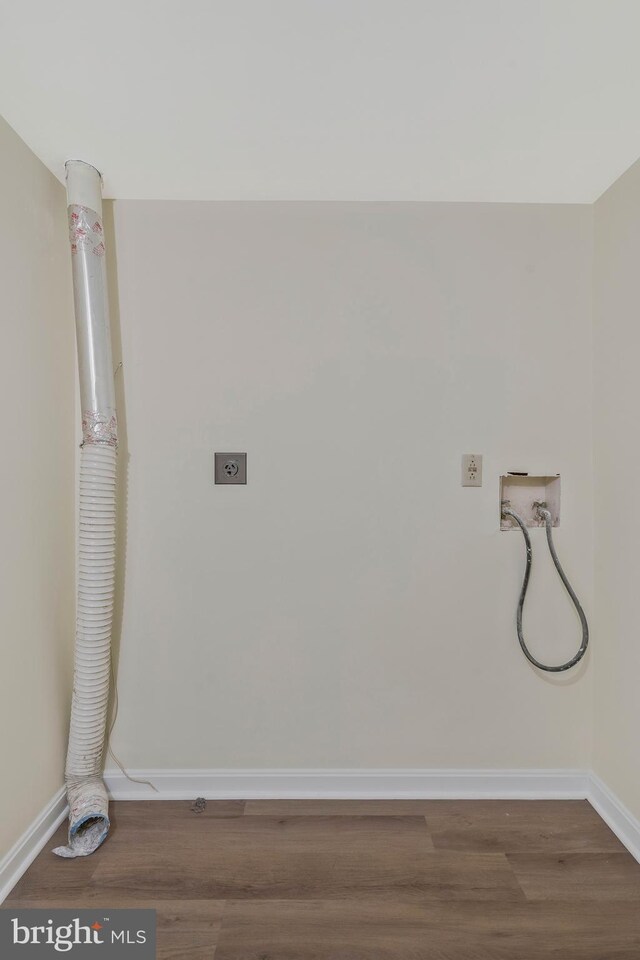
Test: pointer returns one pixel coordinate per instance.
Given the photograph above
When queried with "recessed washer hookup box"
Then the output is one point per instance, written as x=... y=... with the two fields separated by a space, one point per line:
x=522 y=491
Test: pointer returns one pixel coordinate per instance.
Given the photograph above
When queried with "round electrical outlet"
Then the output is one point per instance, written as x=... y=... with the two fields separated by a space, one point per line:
x=230 y=467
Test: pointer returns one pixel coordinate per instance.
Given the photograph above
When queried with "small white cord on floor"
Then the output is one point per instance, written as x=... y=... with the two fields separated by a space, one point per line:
x=111 y=726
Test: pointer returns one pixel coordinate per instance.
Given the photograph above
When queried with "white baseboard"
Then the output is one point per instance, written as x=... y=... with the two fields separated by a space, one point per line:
x=334 y=785
x=24 y=852
x=625 y=826
x=349 y=784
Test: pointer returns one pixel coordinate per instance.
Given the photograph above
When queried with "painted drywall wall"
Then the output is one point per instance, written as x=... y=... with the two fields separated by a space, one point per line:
x=617 y=463
x=353 y=605
x=36 y=486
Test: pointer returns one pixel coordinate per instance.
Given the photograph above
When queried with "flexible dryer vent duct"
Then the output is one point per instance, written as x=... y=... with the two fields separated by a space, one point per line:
x=88 y=803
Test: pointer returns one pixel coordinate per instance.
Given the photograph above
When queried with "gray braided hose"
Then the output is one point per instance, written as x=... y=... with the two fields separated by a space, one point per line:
x=546 y=516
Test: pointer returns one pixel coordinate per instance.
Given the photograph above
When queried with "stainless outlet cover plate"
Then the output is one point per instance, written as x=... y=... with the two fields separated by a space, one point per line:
x=230 y=467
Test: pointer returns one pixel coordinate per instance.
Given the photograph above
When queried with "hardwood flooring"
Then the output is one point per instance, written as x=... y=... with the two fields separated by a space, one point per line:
x=360 y=880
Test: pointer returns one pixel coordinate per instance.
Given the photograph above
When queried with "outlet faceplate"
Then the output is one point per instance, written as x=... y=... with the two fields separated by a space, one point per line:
x=230 y=468
x=471 y=469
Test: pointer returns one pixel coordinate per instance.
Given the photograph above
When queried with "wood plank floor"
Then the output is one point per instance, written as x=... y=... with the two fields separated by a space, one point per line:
x=360 y=880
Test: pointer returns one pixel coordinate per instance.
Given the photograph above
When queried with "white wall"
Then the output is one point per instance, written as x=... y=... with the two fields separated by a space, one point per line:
x=352 y=606
x=36 y=486
x=617 y=458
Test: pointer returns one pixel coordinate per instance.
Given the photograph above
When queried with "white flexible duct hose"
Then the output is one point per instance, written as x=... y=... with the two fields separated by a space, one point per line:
x=88 y=802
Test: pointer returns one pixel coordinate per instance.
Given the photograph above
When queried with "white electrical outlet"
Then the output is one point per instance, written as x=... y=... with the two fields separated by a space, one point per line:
x=471 y=469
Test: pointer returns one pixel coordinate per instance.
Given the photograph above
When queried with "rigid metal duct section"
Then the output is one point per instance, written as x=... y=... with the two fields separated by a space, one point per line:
x=88 y=802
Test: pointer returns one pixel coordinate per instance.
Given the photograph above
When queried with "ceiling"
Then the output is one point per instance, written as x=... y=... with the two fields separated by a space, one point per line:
x=486 y=100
